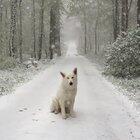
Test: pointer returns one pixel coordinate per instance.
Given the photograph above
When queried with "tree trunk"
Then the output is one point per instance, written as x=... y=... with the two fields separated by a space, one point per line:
x=90 y=39
x=6 y=31
x=52 y=30
x=57 y=38
x=116 y=19
x=1 y=26
x=96 y=31
x=85 y=36
x=138 y=13
x=13 y=19
x=124 y=25
x=1 y=10
x=85 y=29
x=20 y=31
x=33 y=30
x=41 y=29
x=96 y=43
x=55 y=28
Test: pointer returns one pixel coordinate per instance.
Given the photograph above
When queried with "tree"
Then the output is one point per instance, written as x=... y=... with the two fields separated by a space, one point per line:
x=96 y=29
x=20 y=30
x=55 y=27
x=1 y=14
x=115 y=18
x=13 y=20
x=6 y=30
x=33 y=30
x=41 y=28
x=1 y=10
x=58 y=27
x=124 y=25
x=85 y=26
x=138 y=13
x=52 y=32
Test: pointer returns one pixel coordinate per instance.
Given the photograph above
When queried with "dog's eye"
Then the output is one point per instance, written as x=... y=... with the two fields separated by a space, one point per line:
x=68 y=78
x=72 y=77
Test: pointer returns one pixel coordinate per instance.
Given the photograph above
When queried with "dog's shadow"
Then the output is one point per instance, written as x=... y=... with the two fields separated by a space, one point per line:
x=77 y=115
x=69 y=117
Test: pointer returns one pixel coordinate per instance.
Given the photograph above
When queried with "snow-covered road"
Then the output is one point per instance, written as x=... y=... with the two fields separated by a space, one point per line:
x=101 y=113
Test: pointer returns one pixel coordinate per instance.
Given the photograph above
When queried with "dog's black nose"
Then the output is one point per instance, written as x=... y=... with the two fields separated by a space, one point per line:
x=71 y=83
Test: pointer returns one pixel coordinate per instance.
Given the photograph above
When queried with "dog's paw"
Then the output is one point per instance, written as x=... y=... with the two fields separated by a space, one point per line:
x=64 y=117
x=51 y=111
x=68 y=115
x=73 y=115
x=56 y=112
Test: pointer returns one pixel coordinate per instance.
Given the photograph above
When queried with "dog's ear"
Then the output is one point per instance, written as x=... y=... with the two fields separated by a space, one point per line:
x=75 y=71
x=63 y=74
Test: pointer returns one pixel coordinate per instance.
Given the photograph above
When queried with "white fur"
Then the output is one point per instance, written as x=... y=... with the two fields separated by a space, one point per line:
x=65 y=98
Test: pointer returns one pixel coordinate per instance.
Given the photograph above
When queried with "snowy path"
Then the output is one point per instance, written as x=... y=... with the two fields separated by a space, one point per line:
x=100 y=112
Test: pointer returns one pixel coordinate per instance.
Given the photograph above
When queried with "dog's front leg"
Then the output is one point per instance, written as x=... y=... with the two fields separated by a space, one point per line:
x=71 y=109
x=63 y=111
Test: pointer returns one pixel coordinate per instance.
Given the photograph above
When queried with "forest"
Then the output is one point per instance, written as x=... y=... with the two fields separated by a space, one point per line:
x=97 y=42
x=27 y=29
x=107 y=32
x=110 y=29
x=32 y=29
x=109 y=35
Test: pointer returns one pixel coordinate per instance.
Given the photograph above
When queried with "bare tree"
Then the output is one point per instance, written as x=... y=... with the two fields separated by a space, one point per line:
x=41 y=28
x=96 y=36
x=55 y=28
x=20 y=30
x=115 y=18
x=13 y=19
x=1 y=16
x=52 y=40
x=96 y=29
x=85 y=27
x=124 y=25
x=138 y=13
x=58 y=27
x=1 y=10
x=33 y=30
x=6 y=29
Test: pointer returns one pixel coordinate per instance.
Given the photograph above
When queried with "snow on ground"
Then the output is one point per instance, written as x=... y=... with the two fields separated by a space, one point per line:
x=128 y=87
x=101 y=112
x=10 y=79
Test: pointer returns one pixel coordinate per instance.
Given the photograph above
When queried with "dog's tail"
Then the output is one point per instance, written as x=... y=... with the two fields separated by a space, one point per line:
x=55 y=107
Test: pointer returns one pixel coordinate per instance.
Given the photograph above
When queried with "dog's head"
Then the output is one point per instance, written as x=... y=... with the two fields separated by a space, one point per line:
x=70 y=80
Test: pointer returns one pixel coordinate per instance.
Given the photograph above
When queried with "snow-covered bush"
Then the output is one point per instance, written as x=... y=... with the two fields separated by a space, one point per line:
x=123 y=56
x=7 y=63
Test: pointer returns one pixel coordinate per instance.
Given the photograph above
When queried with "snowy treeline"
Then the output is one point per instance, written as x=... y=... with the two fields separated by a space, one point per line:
x=105 y=22
x=108 y=30
x=29 y=29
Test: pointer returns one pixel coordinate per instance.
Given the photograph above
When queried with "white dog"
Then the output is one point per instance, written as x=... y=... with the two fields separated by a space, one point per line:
x=64 y=101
